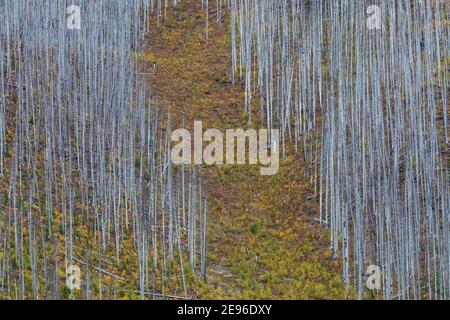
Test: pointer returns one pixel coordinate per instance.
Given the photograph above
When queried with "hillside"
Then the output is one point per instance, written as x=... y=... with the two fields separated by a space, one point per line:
x=263 y=241
x=116 y=181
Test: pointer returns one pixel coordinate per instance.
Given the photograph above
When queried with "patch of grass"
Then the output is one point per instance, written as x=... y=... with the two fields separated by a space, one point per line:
x=262 y=240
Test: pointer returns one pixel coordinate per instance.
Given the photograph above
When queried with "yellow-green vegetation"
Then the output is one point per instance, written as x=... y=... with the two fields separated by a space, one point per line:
x=263 y=242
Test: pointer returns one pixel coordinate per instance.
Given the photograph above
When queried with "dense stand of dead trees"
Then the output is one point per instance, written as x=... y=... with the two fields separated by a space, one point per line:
x=379 y=100
x=81 y=146
x=86 y=177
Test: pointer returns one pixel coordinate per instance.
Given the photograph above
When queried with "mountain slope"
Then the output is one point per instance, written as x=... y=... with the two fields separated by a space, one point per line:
x=263 y=241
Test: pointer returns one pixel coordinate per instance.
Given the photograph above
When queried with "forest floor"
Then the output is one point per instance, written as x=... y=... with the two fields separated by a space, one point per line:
x=262 y=239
